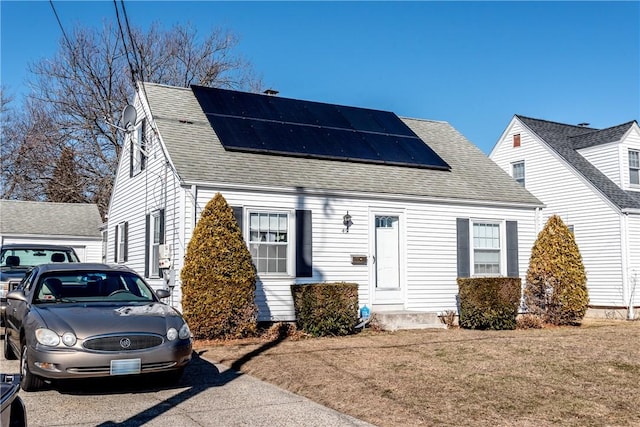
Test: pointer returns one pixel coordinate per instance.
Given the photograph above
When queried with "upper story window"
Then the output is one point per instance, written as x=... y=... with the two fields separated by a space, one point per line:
x=634 y=167
x=269 y=241
x=138 y=157
x=517 y=171
x=486 y=249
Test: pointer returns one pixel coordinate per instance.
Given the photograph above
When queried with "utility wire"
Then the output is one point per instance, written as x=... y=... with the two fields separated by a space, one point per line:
x=64 y=34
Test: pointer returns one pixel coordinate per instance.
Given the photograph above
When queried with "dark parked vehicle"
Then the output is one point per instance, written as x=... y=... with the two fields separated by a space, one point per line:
x=17 y=258
x=83 y=320
x=12 y=410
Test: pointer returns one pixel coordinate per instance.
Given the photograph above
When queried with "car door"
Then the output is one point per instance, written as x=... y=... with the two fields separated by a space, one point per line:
x=17 y=310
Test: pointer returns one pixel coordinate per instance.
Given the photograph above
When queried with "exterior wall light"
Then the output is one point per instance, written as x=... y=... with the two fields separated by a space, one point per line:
x=346 y=220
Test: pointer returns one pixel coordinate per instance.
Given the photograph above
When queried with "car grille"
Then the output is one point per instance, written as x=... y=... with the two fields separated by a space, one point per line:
x=121 y=343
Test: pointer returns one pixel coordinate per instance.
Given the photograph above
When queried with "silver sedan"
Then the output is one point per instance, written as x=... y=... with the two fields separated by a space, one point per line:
x=82 y=320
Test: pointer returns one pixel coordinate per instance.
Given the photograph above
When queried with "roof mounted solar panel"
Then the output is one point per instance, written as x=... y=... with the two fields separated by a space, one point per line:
x=274 y=125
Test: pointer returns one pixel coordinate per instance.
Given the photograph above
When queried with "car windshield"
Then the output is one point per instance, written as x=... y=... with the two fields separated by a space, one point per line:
x=92 y=286
x=11 y=258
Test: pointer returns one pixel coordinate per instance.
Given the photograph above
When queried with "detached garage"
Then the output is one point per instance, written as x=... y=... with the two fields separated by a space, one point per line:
x=71 y=224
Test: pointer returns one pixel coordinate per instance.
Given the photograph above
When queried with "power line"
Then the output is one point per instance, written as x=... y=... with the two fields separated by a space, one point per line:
x=64 y=34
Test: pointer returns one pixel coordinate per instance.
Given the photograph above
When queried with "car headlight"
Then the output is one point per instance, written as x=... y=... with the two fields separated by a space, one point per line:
x=47 y=337
x=69 y=339
x=184 y=333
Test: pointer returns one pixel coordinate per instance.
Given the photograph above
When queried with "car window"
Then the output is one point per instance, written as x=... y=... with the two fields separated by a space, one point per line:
x=27 y=283
x=95 y=286
x=26 y=258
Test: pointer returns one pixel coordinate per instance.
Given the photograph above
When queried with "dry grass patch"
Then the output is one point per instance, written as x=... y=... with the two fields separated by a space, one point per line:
x=573 y=376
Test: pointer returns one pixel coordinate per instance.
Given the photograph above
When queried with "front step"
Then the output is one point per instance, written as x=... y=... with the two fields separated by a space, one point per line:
x=394 y=320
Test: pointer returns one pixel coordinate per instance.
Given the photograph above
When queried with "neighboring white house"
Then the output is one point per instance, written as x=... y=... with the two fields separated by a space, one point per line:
x=69 y=224
x=322 y=193
x=590 y=178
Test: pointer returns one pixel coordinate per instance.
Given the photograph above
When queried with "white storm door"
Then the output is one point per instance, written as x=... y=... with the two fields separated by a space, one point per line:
x=387 y=260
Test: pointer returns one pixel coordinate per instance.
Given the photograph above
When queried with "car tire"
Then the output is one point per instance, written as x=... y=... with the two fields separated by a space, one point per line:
x=28 y=381
x=8 y=350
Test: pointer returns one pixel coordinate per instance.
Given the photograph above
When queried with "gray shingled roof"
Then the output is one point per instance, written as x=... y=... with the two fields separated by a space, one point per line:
x=199 y=157
x=51 y=219
x=567 y=139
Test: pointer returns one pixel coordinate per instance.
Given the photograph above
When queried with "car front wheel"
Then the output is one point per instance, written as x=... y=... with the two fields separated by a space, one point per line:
x=28 y=381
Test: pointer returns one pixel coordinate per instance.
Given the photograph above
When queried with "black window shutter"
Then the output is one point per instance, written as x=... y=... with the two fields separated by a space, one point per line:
x=126 y=241
x=464 y=256
x=237 y=212
x=512 y=249
x=304 y=246
x=147 y=225
x=161 y=217
x=115 y=246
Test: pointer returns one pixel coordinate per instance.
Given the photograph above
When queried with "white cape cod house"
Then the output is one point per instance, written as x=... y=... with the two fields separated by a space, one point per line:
x=322 y=193
x=590 y=178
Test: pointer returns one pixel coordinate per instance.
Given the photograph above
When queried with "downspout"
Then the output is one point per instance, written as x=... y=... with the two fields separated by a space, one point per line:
x=627 y=288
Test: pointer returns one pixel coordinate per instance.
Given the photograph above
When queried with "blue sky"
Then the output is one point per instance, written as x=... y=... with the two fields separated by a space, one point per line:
x=472 y=64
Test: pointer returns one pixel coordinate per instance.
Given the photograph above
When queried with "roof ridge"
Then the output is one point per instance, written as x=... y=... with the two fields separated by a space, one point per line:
x=557 y=123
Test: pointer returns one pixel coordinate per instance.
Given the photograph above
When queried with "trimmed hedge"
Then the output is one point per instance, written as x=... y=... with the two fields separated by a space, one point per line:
x=489 y=302
x=326 y=308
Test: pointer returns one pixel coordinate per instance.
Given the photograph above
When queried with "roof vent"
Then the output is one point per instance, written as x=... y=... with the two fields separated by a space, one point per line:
x=583 y=124
x=271 y=92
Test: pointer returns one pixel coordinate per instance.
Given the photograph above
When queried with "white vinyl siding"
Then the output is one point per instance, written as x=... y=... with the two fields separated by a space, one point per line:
x=429 y=267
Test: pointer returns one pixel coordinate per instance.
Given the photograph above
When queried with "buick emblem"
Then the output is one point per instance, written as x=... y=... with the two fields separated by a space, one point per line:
x=125 y=343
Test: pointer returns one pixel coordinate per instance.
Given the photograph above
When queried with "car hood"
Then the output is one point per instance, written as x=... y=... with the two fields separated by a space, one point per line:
x=87 y=320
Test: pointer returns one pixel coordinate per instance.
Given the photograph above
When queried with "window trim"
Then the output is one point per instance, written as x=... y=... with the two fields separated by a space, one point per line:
x=290 y=244
x=502 y=264
x=520 y=180
x=121 y=242
x=152 y=269
x=633 y=169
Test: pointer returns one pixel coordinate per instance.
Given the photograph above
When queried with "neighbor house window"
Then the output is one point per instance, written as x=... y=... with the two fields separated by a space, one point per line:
x=269 y=241
x=121 y=241
x=155 y=236
x=486 y=248
x=138 y=157
x=518 y=172
x=634 y=167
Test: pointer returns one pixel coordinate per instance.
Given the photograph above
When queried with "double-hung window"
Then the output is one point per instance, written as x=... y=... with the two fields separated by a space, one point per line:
x=634 y=167
x=486 y=249
x=269 y=241
x=121 y=239
x=518 y=172
x=138 y=157
x=156 y=238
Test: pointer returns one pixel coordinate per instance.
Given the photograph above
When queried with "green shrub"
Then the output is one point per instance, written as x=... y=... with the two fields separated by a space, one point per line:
x=326 y=308
x=556 y=286
x=218 y=277
x=489 y=302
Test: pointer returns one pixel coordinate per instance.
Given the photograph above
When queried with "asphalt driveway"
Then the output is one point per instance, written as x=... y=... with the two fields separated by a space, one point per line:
x=207 y=395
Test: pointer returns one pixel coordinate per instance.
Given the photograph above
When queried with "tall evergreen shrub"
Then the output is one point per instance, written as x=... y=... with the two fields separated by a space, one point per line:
x=218 y=277
x=556 y=286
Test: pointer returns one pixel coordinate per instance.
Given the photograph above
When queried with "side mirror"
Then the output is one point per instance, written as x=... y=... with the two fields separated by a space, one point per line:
x=163 y=293
x=17 y=295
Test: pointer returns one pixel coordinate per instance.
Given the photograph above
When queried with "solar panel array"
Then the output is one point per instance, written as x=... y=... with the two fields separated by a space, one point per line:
x=274 y=125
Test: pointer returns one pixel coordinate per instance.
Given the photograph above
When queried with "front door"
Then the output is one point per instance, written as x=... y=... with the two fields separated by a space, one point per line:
x=387 y=277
